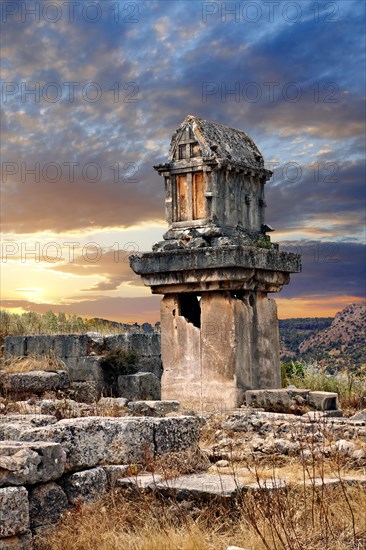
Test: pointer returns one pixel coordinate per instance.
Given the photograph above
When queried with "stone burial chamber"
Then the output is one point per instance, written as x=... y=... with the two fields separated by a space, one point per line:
x=214 y=268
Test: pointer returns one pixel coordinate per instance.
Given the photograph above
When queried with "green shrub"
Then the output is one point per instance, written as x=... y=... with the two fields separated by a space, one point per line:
x=351 y=388
x=290 y=370
x=121 y=361
x=263 y=242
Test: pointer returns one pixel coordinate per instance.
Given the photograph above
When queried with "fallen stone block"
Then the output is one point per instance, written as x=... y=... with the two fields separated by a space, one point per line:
x=266 y=485
x=140 y=481
x=153 y=408
x=23 y=541
x=14 y=511
x=12 y=425
x=140 y=386
x=47 y=503
x=274 y=397
x=359 y=416
x=323 y=400
x=86 y=486
x=202 y=486
x=34 y=382
x=286 y=397
x=23 y=463
x=334 y=481
x=317 y=416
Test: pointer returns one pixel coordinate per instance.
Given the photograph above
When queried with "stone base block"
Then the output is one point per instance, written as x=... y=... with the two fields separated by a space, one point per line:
x=140 y=386
x=281 y=398
x=175 y=433
x=215 y=349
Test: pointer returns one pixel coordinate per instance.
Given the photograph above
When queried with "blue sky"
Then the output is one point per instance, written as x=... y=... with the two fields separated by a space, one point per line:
x=113 y=80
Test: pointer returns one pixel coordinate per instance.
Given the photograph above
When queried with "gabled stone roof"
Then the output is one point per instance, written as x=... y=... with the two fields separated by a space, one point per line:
x=219 y=142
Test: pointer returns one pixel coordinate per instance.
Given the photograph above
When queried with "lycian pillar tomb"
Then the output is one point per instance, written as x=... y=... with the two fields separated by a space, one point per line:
x=215 y=266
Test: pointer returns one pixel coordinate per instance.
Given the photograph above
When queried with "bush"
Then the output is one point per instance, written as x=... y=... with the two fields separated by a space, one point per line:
x=351 y=388
x=121 y=361
x=291 y=369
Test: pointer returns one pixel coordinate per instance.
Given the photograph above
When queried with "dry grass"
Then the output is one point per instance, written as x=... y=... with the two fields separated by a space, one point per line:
x=175 y=464
x=12 y=364
x=322 y=519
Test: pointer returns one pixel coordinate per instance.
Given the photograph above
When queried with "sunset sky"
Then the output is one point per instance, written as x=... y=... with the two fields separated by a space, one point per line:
x=91 y=95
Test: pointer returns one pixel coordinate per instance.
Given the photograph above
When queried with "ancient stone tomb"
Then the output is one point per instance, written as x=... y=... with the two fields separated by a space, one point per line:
x=214 y=268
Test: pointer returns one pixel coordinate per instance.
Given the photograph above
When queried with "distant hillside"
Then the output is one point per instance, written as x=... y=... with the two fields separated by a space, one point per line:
x=342 y=344
x=294 y=331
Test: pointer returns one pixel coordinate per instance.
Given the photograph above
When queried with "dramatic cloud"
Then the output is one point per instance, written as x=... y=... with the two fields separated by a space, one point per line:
x=93 y=91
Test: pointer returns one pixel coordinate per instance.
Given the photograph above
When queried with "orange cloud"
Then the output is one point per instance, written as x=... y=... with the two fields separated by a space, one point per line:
x=316 y=306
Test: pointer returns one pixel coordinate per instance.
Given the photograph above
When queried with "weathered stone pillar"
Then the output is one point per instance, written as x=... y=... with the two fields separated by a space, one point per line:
x=235 y=348
x=215 y=267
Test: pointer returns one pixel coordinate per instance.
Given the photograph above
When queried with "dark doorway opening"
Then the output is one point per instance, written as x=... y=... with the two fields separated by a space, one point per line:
x=190 y=308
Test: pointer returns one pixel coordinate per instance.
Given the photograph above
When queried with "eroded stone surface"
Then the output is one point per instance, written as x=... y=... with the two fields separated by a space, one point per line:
x=93 y=441
x=359 y=416
x=141 y=481
x=23 y=463
x=47 y=503
x=34 y=382
x=118 y=404
x=142 y=385
x=153 y=408
x=14 y=511
x=22 y=541
x=204 y=366
x=287 y=398
x=201 y=485
x=87 y=485
x=115 y=472
x=12 y=425
x=176 y=433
